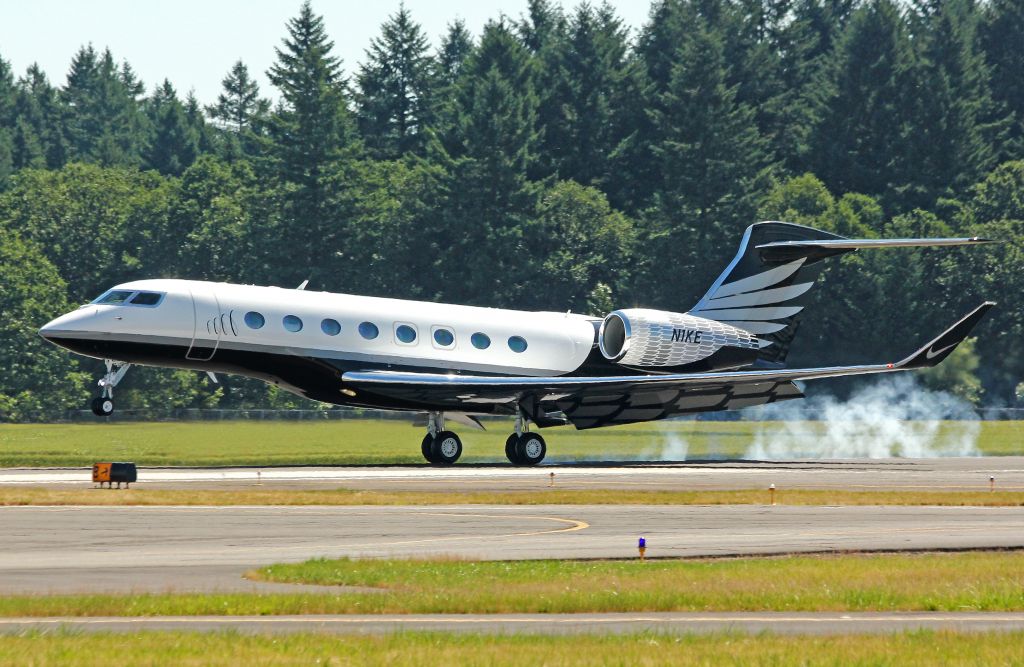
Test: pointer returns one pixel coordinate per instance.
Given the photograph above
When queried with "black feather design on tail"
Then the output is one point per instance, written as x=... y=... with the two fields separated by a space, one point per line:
x=764 y=290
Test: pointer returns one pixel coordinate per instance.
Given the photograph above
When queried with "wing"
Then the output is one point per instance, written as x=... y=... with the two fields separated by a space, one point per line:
x=598 y=401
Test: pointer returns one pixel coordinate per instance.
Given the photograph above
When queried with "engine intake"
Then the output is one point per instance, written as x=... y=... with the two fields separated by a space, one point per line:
x=645 y=338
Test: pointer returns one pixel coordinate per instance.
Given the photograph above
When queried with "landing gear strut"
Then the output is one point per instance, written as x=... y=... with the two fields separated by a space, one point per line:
x=103 y=405
x=439 y=446
x=523 y=448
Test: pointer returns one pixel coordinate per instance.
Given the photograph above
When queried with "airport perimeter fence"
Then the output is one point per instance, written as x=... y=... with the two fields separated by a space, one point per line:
x=334 y=414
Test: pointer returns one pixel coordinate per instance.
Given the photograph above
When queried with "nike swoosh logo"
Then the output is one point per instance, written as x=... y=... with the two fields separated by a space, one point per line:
x=932 y=353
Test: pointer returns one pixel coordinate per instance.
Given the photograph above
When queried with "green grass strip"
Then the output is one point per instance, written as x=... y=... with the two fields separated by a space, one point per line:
x=370 y=441
x=977 y=581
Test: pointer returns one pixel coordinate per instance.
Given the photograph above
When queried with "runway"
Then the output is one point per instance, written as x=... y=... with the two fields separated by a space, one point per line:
x=971 y=473
x=134 y=549
x=810 y=623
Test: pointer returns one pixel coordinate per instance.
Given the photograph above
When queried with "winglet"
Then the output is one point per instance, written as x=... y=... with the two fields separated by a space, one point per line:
x=942 y=346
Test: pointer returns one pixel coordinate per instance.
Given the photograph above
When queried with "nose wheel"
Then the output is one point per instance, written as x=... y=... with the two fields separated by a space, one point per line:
x=103 y=405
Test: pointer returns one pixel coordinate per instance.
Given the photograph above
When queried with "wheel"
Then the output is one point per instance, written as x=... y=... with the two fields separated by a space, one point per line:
x=446 y=448
x=530 y=449
x=102 y=407
x=510 y=449
x=428 y=441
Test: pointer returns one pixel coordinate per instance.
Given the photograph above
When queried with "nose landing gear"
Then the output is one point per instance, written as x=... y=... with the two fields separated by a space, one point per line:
x=103 y=405
x=439 y=446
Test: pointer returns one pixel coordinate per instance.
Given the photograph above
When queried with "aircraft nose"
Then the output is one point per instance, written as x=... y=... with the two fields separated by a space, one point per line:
x=61 y=325
x=51 y=329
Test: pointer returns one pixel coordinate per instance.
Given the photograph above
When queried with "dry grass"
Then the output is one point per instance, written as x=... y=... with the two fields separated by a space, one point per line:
x=429 y=650
x=543 y=495
x=981 y=581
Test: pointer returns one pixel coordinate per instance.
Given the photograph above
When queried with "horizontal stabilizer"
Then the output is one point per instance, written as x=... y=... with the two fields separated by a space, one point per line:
x=787 y=251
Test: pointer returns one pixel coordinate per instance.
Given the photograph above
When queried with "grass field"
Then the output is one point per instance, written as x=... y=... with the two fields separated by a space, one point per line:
x=367 y=441
x=429 y=650
x=543 y=495
x=976 y=581
x=947 y=582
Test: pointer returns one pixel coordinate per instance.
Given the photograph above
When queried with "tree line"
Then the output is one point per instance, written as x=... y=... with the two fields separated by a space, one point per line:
x=559 y=160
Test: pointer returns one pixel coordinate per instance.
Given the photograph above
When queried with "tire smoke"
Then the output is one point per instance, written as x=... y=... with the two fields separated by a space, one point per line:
x=895 y=417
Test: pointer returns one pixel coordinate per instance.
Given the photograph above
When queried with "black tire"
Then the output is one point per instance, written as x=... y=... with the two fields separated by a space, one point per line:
x=530 y=449
x=446 y=448
x=510 y=449
x=102 y=407
x=425 y=448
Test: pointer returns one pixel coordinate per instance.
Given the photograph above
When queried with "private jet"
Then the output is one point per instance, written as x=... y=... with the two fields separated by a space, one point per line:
x=455 y=363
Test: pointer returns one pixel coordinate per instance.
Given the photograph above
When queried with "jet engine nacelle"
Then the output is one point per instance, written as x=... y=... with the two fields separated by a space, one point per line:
x=643 y=338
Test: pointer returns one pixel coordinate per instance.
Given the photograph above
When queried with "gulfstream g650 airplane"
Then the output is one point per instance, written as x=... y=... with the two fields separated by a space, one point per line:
x=450 y=361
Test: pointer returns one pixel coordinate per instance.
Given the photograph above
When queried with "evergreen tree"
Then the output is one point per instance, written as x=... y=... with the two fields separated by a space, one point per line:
x=8 y=94
x=489 y=150
x=394 y=105
x=105 y=123
x=1002 y=36
x=26 y=148
x=543 y=25
x=659 y=41
x=40 y=108
x=951 y=138
x=455 y=48
x=133 y=85
x=805 y=46
x=863 y=142
x=711 y=157
x=196 y=121
x=7 y=100
x=239 y=105
x=174 y=143
x=308 y=133
x=544 y=33
x=588 y=96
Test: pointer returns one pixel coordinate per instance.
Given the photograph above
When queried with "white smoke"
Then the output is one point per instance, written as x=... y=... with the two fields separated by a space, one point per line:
x=665 y=445
x=669 y=446
x=895 y=417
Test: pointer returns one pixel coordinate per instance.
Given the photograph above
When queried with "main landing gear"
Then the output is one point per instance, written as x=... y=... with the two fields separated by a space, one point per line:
x=442 y=447
x=523 y=448
x=103 y=405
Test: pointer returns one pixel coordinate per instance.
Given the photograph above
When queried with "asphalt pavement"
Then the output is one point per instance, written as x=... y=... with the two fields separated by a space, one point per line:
x=133 y=549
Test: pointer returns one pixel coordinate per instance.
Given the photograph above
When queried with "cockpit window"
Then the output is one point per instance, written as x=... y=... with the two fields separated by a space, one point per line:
x=146 y=299
x=114 y=296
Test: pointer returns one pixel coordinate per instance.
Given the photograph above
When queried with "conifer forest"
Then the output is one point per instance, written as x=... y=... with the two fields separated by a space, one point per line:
x=558 y=160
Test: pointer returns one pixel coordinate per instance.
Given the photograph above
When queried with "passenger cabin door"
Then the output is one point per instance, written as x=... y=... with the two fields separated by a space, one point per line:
x=207 y=333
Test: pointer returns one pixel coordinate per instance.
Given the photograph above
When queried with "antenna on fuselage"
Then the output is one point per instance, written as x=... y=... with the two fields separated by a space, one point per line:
x=303 y=285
